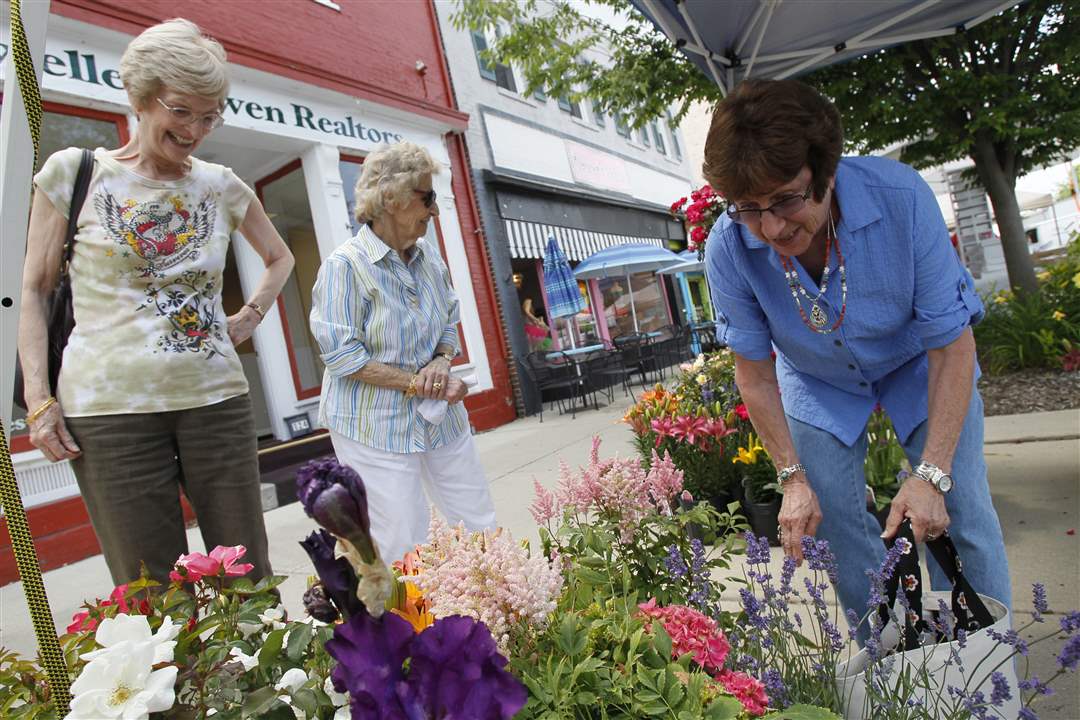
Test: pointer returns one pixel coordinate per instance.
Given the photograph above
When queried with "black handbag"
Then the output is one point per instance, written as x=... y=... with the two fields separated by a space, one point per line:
x=61 y=318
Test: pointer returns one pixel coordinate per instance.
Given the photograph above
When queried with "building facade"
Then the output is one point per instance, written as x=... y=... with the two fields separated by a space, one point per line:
x=316 y=85
x=549 y=167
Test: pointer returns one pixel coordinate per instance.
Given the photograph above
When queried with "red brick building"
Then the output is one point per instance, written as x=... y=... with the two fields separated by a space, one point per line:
x=315 y=86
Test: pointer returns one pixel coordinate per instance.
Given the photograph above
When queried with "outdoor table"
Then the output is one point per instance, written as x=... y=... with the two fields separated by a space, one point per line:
x=574 y=351
x=579 y=359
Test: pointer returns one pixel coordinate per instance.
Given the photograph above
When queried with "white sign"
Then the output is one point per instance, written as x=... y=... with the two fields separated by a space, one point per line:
x=75 y=69
x=596 y=168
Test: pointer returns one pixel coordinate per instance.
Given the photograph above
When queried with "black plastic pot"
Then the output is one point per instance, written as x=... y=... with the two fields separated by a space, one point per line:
x=763 y=517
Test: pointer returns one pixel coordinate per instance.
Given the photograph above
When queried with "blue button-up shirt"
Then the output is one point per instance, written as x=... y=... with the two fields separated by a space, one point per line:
x=907 y=293
x=367 y=305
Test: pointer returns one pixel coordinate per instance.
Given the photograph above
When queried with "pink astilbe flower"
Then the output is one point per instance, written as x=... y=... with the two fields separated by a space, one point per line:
x=691 y=632
x=487 y=576
x=665 y=481
x=544 y=507
x=747 y=690
x=220 y=558
x=619 y=489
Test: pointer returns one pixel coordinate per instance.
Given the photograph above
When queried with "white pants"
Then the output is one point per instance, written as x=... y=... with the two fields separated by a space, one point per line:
x=395 y=485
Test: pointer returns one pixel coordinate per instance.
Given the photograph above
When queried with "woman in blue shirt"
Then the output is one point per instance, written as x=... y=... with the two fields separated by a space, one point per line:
x=843 y=266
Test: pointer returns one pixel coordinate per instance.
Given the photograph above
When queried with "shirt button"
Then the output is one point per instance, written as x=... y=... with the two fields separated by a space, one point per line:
x=862 y=384
x=850 y=366
x=837 y=343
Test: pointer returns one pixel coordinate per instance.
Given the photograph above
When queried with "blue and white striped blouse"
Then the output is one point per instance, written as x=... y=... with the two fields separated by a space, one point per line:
x=367 y=305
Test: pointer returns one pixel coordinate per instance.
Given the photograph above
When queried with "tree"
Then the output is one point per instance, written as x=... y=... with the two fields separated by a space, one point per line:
x=1005 y=93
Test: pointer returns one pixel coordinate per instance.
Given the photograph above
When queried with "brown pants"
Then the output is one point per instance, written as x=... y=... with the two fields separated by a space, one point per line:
x=133 y=467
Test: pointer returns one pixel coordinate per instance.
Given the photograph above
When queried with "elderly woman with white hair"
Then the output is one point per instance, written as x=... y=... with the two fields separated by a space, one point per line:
x=385 y=316
x=151 y=397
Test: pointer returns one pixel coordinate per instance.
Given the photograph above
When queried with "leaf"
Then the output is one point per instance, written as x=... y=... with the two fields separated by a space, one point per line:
x=259 y=701
x=306 y=699
x=570 y=639
x=723 y=707
x=661 y=641
x=271 y=648
x=299 y=639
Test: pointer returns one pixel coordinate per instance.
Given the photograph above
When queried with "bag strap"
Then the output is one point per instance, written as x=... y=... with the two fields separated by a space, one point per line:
x=78 y=198
x=968 y=609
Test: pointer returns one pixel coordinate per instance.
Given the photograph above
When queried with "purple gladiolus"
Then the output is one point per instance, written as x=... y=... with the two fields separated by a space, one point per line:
x=458 y=673
x=334 y=496
x=370 y=654
x=337 y=575
x=455 y=670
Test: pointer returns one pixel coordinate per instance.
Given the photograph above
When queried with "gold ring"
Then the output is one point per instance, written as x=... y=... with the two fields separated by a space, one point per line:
x=437 y=385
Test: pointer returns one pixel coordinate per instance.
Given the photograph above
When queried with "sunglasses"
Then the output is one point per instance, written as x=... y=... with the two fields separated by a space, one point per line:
x=428 y=197
x=782 y=208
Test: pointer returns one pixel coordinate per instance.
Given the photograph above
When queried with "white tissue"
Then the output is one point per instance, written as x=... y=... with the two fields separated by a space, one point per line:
x=434 y=411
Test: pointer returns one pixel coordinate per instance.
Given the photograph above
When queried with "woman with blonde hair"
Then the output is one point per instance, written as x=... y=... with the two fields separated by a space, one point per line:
x=151 y=396
x=385 y=316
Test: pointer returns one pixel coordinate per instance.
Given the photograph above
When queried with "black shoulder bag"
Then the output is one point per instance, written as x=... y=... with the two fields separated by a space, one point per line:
x=61 y=318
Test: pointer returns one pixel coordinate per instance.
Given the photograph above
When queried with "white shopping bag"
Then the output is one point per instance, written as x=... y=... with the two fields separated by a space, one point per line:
x=916 y=666
x=935 y=666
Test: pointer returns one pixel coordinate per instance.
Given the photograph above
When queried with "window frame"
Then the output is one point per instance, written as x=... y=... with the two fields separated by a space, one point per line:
x=658 y=137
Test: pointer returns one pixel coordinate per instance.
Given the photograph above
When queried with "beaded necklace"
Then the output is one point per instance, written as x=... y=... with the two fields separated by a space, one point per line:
x=817 y=319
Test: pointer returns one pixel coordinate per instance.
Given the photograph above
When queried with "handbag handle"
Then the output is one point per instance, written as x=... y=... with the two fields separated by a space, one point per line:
x=968 y=609
x=78 y=198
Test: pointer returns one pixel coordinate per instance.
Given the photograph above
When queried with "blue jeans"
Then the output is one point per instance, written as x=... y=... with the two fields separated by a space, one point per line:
x=835 y=472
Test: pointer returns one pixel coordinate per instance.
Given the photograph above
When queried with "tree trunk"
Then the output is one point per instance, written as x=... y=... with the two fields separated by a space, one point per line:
x=1002 y=190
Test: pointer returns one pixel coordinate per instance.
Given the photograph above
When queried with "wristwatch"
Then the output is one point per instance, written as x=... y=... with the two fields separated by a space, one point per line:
x=449 y=356
x=935 y=476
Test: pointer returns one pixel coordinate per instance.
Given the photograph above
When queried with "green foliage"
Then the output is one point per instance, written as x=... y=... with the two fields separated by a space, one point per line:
x=1033 y=330
x=884 y=458
x=223 y=617
x=633 y=69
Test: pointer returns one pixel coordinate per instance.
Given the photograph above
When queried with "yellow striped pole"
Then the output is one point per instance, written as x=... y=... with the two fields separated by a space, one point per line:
x=22 y=542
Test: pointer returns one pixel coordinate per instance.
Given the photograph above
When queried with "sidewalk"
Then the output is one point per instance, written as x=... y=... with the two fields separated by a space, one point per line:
x=1034 y=463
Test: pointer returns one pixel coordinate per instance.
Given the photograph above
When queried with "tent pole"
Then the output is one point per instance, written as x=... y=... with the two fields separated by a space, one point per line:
x=633 y=310
x=16 y=169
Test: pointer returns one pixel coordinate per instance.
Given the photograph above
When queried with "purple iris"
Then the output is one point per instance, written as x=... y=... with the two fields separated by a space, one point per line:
x=337 y=575
x=455 y=670
x=334 y=496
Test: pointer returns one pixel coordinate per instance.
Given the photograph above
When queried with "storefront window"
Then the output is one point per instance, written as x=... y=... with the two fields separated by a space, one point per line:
x=582 y=325
x=648 y=304
x=64 y=126
x=284 y=195
x=350 y=167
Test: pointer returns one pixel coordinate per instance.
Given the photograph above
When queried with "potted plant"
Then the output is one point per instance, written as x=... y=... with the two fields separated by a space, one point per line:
x=761 y=493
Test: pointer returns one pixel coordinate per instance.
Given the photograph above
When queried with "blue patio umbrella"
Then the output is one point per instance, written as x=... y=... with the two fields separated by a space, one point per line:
x=563 y=297
x=624 y=260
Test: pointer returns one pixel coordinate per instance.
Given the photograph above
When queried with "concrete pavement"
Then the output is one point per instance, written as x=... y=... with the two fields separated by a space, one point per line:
x=1034 y=463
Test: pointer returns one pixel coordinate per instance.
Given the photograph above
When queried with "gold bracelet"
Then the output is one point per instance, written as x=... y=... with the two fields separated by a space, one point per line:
x=32 y=417
x=410 y=391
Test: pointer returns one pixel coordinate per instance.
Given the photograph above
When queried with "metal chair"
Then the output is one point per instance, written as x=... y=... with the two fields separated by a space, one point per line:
x=605 y=369
x=558 y=379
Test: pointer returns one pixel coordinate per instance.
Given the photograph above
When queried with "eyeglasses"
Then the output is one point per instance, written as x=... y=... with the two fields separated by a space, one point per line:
x=428 y=197
x=209 y=121
x=782 y=208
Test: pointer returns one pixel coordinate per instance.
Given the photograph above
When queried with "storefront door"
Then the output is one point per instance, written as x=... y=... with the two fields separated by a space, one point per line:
x=285 y=198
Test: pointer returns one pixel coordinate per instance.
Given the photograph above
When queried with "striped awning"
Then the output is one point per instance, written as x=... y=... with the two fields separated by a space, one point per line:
x=528 y=239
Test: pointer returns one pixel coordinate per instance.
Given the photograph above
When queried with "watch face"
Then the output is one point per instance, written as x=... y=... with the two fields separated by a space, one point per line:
x=944 y=483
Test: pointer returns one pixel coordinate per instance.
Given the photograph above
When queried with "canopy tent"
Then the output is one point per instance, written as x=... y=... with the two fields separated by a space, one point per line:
x=626 y=260
x=733 y=40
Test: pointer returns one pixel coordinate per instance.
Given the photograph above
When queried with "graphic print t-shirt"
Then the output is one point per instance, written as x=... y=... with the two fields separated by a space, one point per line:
x=150 y=331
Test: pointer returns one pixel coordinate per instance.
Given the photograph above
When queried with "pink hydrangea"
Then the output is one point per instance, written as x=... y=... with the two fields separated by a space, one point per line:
x=691 y=632
x=747 y=690
x=487 y=576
